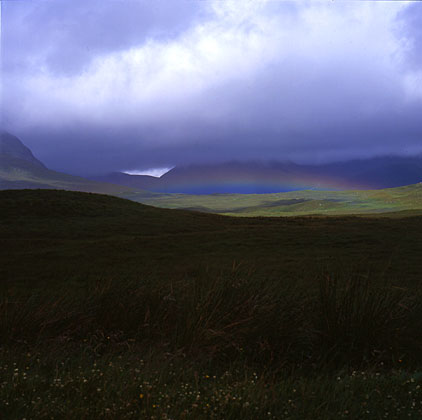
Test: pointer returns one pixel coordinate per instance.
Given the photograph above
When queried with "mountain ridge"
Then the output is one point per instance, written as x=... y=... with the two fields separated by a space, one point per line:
x=273 y=177
x=11 y=146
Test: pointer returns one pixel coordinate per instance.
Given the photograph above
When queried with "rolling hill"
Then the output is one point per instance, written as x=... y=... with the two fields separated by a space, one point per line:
x=111 y=236
x=294 y=203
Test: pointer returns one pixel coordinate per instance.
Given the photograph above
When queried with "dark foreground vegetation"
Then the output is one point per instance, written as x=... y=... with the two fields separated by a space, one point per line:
x=112 y=309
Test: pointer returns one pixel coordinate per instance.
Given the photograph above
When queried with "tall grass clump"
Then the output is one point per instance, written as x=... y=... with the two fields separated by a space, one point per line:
x=222 y=315
x=358 y=317
x=352 y=319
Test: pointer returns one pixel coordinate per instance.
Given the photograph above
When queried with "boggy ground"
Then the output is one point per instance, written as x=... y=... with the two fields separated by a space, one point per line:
x=112 y=309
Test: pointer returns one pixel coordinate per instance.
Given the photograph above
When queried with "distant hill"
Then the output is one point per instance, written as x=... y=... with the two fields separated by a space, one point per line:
x=20 y=169
x=143 y=182
x=272 y=177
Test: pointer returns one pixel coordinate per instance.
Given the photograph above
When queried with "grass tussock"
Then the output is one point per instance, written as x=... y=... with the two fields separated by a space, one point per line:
x=361 y=319
x=353 y=320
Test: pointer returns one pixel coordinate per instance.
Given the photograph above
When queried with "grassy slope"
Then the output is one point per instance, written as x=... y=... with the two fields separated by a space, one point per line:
x=113 y=309
x=20 y=174
x=109 y=236
x=295 y=203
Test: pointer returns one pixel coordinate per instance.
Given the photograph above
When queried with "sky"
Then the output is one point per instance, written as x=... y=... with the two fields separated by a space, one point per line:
x=94 y=86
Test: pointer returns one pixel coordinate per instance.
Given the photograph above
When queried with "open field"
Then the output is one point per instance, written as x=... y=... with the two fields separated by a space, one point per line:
x=293 y=203
x=113 y=309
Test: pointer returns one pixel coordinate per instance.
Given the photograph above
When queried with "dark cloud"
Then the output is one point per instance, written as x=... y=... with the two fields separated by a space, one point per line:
x=133 y=85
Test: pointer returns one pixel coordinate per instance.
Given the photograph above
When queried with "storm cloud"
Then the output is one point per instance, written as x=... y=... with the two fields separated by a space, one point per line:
x=93 y=86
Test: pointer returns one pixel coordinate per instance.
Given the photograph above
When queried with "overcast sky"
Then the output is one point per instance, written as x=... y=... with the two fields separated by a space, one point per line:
x=93 y=86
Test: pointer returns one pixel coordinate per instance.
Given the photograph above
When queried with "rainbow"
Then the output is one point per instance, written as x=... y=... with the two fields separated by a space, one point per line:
x=265 y=182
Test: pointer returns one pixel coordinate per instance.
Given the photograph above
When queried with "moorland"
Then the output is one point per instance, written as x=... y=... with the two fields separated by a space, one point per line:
x=114 y=309
x=405 y=199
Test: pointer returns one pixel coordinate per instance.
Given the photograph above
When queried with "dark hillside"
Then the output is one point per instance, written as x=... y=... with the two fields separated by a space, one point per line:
x=113 y=309
x=73 y=234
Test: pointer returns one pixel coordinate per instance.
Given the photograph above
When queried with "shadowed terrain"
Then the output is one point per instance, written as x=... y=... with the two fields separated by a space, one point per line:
x=108 y=236
x=147 y=311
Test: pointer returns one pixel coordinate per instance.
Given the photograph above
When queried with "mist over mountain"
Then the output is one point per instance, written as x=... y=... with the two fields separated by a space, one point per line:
x=20 y=169
x=11 y=147
x=272 y=177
